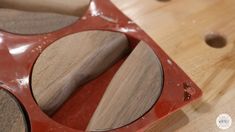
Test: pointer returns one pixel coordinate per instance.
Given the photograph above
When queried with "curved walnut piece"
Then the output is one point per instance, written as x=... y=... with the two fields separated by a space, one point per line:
x=131 y=93
x=72 y=61
x=22 y=22
x=39 y=20
x=11 y=116
x=70 y=7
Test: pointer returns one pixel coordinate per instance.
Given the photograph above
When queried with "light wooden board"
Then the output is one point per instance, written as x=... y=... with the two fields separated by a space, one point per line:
x=72 y=61
x=25 y=22
x=179 y=27
x=131 y=93
x=12 y=118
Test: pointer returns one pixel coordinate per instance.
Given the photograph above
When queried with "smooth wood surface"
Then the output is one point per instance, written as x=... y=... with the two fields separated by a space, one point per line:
x=133 y=90
x=180 y=27
x=69 y=7
x=25 y=22
x=72 y=61
x=11 y=115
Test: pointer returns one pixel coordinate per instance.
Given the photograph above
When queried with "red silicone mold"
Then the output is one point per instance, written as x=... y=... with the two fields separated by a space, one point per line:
x=178 y=89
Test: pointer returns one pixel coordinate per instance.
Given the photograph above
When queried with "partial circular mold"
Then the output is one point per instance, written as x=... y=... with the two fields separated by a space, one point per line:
x=12 y=117
x=71 y=7
x=71 y=62
x=37 y=17
x=76 y=78
x=27 y=23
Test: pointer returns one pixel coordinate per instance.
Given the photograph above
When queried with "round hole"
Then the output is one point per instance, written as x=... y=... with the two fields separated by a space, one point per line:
x=215 y=40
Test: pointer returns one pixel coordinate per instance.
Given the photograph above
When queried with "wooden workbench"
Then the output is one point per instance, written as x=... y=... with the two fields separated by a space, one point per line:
x=180 y=27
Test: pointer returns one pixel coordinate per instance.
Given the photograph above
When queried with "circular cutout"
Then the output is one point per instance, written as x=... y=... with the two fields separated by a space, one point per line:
x=71 y=62
x=215 y=40
x=67 y=66
x=12 y=118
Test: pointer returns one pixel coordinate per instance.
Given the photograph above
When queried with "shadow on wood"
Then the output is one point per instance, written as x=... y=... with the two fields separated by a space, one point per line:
x=170 y=123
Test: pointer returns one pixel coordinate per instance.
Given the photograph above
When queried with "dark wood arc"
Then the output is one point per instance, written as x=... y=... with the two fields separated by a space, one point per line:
x=24 y=22
x=132 y=92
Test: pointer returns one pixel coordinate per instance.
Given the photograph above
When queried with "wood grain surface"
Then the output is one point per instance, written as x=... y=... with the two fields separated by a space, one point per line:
x=133 y=90
x=180 y=27
x=12 y=118
x=25 y=22
x=72 y=61
x=69 y=7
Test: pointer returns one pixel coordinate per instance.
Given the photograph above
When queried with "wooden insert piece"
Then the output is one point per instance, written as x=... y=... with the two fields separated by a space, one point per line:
x=70 y=7
x=24 y=22
x=11 y=115
x=131 y=93
x=72 y=61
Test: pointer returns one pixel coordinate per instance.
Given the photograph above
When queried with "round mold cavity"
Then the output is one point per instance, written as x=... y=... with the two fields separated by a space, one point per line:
x=73 y=78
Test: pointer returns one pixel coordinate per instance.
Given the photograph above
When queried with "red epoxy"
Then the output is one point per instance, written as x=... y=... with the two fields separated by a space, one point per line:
x=78 y=110
x=18 y=54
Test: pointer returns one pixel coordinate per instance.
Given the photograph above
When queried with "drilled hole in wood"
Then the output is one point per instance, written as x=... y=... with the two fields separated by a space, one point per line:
x=215 y=40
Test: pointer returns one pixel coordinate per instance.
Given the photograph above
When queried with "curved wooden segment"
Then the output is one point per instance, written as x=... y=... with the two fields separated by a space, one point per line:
x=11 y=115
x=70 y=7
x=72 y=61
x=23 y=22
x=131 y=93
